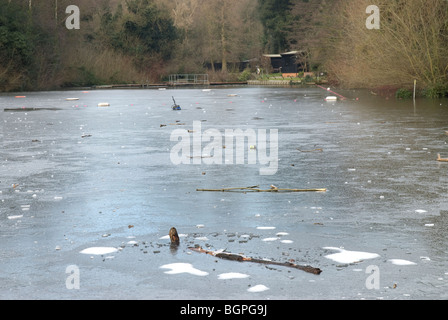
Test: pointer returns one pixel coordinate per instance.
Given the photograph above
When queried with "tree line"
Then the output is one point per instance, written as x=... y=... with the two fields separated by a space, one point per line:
x=143 y=41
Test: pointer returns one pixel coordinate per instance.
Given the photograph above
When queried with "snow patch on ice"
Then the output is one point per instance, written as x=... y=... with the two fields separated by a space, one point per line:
x=265 y=228
x=99 y=250
x=258 y=288
x=15 y=217
x=346 y=256
x=232 y=275
x=269 y=239
x=181 y=267
x=401 y=262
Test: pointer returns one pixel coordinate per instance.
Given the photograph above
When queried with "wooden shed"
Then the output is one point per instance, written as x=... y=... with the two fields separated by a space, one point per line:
x=288 y=63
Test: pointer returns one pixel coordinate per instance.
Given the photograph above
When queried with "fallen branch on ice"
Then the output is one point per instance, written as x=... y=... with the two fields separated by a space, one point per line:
x=241 y=258
x=256 y=189
x=313 y=150
x=441 y=159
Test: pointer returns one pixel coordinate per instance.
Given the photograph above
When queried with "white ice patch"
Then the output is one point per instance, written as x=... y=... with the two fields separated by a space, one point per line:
x=420 y=211
x=99 y=250
x=180 y=267
x=346 y=256
x=15 y=217
x=286 y=241
x=401 y=262
x=258 y=288
x=282 y=234
x=232 y=275
x=269 y=239
x=265 y=228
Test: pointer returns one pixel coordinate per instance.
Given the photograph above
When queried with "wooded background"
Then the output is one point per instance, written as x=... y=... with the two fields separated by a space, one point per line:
x=141 y=41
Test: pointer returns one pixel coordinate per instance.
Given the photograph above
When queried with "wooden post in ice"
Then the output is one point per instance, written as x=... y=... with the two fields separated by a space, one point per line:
x=415 y=86
x=174 y=237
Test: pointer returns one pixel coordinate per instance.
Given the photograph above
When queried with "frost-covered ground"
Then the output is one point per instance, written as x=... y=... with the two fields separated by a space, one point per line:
x=88 y=195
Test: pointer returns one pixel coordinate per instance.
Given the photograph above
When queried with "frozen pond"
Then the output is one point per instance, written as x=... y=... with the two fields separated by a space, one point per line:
x=88 y=195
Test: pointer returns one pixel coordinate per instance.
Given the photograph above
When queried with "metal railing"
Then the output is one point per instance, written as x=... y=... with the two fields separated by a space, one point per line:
x=188 y=79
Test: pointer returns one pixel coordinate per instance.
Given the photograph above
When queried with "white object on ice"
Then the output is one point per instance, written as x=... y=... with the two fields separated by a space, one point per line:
x=270 y=239
x=401 y=262
x=346 y=256
x=258 y=288
x=99 y=250
x=181 y=267
x=232 y=275
x=420 y=211
x=331 y=98
x=265 y=228
x=15 y=217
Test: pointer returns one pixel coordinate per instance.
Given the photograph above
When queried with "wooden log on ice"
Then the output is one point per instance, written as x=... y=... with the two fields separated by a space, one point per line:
x=242 y=258
x=252 y=189
x=439 y=158
x=313 y=150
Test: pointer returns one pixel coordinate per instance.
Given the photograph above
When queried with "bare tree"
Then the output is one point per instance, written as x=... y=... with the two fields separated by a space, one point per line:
x=410 y=44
